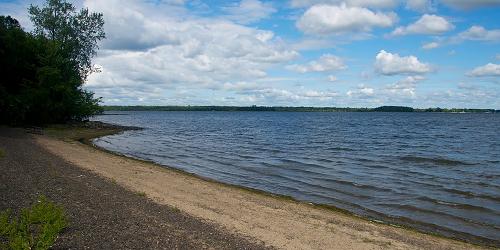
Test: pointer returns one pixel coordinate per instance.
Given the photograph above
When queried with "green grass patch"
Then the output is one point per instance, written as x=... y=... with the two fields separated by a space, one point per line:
x=2 y=154
x=35 y=228
x=73 y=133
x=143 y=194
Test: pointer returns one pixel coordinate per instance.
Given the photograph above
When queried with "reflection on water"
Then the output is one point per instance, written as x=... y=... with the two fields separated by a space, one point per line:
x=439 y=172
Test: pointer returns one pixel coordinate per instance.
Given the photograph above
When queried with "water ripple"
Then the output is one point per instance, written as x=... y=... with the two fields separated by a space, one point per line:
x=437 y=172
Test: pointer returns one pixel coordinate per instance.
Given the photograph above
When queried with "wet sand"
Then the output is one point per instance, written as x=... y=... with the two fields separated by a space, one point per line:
x=278 y=222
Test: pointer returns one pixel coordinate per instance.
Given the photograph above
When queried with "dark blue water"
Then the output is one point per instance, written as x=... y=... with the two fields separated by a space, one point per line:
x=435 y=172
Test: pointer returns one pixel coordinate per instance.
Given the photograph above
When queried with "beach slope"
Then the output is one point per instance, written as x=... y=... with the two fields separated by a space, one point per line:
x=101 y=214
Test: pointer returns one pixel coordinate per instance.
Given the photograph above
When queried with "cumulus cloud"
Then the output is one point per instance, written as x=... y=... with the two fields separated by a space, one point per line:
x=431 y=45
x=357 y=3
x=283 y=96
x=325 y=63
x=402 y=92
x=146 y=48
x=427 y=24
x=392 y=64
x=405 y=87
x=470 y=4
x=420 y=5
x=248 y=11
x=478 y=33
x=330 y=19
x=489 y=69
x=332 y=78
x=361 y=92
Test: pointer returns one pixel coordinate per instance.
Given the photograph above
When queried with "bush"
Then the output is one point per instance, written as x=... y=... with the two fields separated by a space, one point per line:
x=36 y=228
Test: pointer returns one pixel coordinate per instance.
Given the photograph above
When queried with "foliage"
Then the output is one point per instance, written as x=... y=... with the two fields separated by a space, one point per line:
x=75 y=35
x=36 y=228
x=393 y=109
x=42 y=73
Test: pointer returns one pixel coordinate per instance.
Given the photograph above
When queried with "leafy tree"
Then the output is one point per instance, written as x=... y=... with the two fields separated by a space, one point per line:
x=74 y=34
x=42 y=72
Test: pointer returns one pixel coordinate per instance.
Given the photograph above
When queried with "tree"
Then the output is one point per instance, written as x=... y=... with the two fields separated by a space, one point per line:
x=42 y=72
x=75 y=35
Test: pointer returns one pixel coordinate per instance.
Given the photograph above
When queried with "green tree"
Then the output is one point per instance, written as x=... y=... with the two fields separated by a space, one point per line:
x=42 y=72
x=75 y=35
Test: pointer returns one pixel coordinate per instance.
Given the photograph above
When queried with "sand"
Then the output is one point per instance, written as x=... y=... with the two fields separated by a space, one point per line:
x=100 y=213
x=278 y=222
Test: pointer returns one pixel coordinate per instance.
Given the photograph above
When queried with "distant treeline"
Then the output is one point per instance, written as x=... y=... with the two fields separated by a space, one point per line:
x=292 y=109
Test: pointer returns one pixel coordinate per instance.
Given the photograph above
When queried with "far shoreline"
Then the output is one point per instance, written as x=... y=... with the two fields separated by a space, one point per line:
x=255 y=108
x=101 y=129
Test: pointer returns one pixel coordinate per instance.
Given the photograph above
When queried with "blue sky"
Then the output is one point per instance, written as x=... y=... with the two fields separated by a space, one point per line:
x=352 y=53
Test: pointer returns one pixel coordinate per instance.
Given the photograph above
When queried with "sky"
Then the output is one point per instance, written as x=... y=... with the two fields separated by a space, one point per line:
x=342 y=53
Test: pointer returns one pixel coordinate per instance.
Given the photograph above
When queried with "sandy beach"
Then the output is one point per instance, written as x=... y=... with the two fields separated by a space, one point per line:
x=276 y=221
x=101 y=214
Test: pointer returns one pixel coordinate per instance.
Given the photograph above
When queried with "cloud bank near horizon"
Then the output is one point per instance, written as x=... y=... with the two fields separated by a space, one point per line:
x=358 y=53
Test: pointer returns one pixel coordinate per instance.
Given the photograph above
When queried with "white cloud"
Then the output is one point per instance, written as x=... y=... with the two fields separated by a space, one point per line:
x=356 y=3
x=489 y=69
x=392 y=64
x=174 y=2
x=470 y=4
x=283 y=96
x=431 y=45
x=478 y=33
x=361 y=92
x=146 y=48
x=240 y=86
x=332 y=78
x=325 y=63
x=403 y=91
x=405 y=87
x=420 y=5
x=427 y=24
x=248 y=11
x=330 y=19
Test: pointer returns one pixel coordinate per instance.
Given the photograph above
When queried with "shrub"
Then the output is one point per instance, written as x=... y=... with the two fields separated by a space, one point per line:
x=36 y=228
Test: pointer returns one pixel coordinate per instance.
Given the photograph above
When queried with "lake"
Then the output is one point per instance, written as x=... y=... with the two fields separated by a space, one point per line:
x=436 y=172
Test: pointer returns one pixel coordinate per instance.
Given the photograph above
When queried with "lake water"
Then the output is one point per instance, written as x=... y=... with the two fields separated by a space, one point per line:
x=436 y=172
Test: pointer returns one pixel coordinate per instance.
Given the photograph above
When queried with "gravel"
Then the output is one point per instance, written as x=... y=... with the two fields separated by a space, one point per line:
x=101 y=214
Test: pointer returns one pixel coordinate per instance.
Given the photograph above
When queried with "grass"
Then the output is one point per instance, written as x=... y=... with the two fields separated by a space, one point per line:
x=36 y=228
x=66 y=132
x=143 y=194
x=2 y=154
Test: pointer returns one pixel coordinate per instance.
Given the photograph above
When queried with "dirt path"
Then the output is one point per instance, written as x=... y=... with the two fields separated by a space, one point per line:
x=277 y=222
x=102 y=214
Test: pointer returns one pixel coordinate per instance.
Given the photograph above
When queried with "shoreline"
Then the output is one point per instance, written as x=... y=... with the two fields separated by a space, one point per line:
x=398 y=234
x=101 y=214
x=466 y=238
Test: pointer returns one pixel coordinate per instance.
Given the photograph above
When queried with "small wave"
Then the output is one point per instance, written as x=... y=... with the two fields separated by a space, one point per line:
x=458 y=205
x=471 y=194
x=437 y=161
x=339 y=149
x=451 y=217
